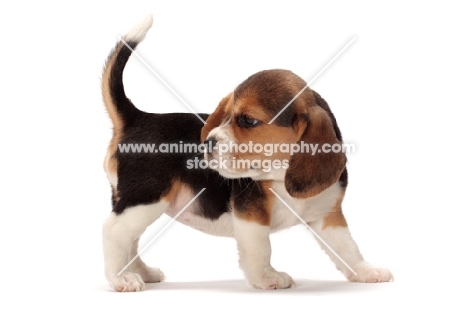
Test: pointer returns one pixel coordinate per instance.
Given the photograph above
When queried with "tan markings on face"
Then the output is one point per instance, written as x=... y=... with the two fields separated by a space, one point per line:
x=259 y=209
x=250 y=107
x=335 y=217
x=262 y=134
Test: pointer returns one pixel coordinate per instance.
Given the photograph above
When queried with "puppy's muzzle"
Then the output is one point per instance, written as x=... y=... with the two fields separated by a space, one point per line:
x=210 y=144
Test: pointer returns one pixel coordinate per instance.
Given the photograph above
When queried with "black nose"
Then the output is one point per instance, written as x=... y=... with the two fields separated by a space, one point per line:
x=209 y=144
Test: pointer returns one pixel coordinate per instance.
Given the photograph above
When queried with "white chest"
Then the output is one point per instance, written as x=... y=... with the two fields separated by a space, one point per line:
x=310 y=210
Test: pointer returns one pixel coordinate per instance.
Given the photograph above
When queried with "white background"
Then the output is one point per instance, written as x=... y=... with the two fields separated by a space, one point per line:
x=399 y=93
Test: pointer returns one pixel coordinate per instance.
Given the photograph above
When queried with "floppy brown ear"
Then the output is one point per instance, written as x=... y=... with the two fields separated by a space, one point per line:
x=217 y=117
x=308 y=174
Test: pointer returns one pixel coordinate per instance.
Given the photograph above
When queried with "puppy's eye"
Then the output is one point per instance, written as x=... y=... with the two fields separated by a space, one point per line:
x=246 y=121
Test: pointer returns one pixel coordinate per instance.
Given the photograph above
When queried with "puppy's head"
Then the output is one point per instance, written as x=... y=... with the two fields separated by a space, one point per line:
x=247 y=144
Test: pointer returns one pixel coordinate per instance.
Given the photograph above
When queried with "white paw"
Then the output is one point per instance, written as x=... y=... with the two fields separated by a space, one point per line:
x=272 y=279
x=128 y=282
x=152 y=275
x=366 y=273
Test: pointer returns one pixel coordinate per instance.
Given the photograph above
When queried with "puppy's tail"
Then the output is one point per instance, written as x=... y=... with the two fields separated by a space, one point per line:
x=120 y=108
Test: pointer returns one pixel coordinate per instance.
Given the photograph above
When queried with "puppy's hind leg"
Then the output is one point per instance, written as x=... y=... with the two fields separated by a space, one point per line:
x=120 y=234
x=148 y=274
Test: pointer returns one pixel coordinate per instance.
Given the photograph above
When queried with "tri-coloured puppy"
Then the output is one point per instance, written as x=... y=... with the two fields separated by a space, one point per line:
x=248 y=201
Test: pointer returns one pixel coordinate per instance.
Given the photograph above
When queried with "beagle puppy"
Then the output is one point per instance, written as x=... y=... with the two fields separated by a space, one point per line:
x=246 y=202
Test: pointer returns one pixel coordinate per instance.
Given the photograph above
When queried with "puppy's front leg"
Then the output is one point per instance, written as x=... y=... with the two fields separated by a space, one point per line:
x=334 y=231
x=251 y=217
x=254 y=247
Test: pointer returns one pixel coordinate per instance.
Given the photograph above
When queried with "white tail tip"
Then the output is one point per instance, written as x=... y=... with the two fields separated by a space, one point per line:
x=138 y=33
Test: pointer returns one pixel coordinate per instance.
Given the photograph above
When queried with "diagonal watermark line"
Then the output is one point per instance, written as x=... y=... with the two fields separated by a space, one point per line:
x=162 y=80
x=160 y=232
x=313 y=232
x=314 y=78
